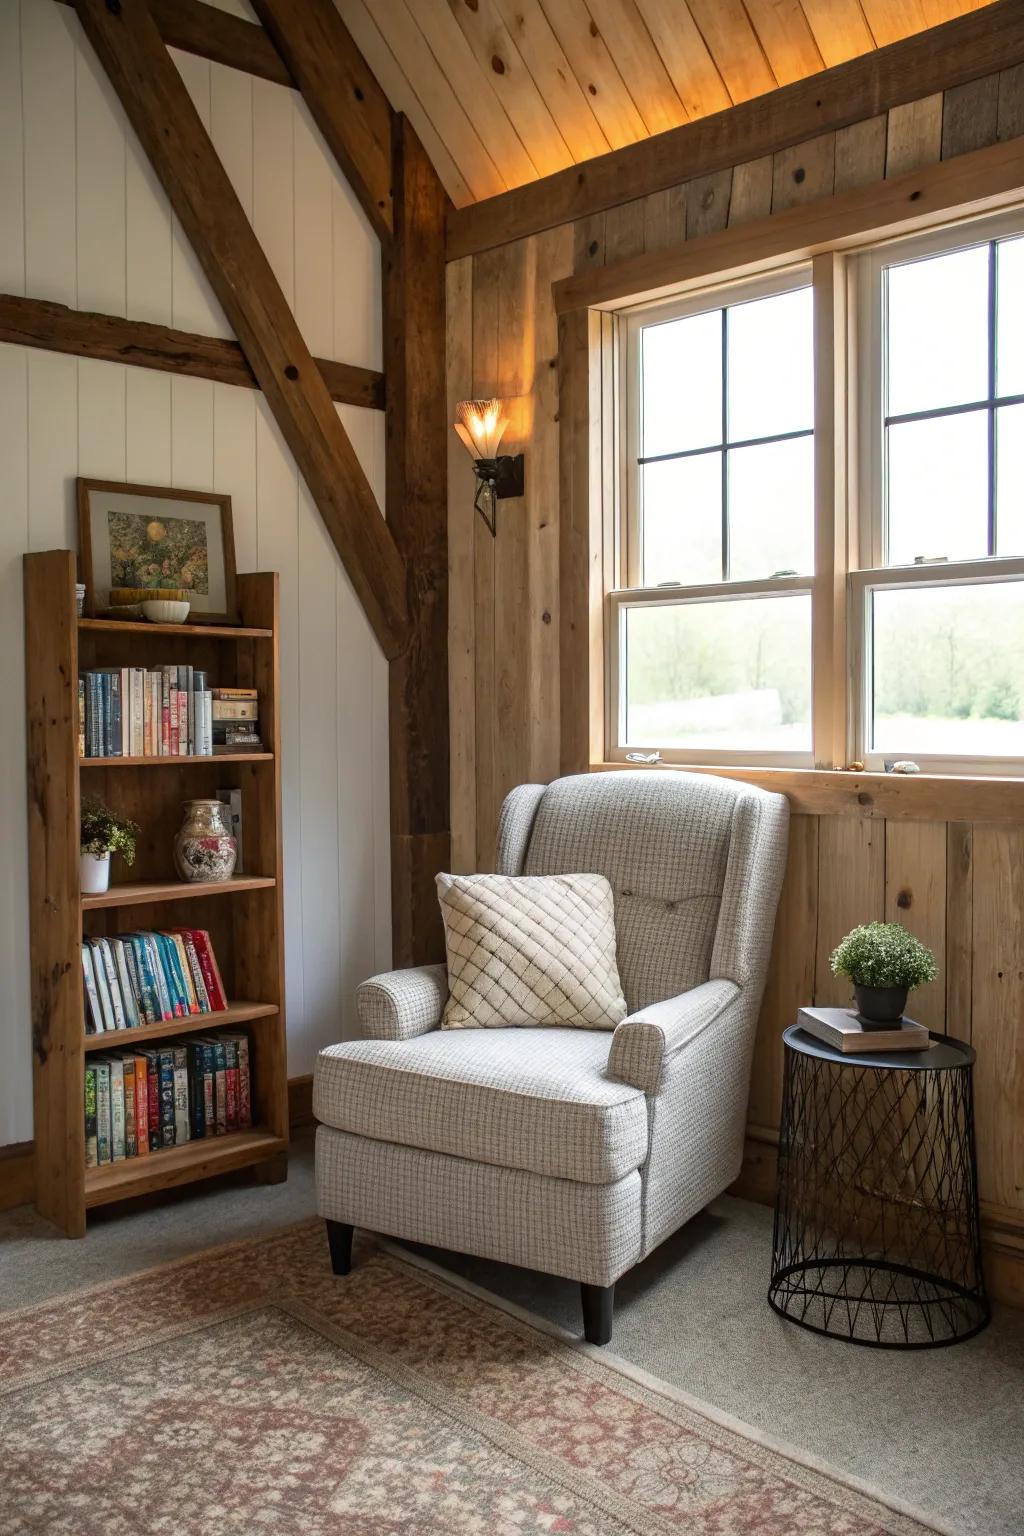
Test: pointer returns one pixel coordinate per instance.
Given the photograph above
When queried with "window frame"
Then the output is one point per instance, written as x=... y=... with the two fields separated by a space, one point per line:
x=848 y=505
x=869 y=510
x=631 y=321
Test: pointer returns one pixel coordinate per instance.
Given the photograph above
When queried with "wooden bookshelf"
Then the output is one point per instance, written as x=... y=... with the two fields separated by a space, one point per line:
x=244 y=915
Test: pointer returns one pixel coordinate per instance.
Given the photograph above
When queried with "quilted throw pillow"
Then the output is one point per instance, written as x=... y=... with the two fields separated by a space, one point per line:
x=530 y=950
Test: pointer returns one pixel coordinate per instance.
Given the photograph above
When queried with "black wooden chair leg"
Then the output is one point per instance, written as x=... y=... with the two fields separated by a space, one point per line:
x=339 y=1238
x=598 y=1304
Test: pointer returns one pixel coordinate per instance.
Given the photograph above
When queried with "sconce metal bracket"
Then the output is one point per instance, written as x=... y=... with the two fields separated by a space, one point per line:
x=500 y=479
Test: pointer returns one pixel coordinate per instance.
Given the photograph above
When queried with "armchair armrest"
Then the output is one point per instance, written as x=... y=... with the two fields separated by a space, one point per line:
x=397 y=1005
x=647 y=1040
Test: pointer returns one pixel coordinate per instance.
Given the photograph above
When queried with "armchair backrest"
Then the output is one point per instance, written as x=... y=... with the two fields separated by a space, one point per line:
x=695 y=863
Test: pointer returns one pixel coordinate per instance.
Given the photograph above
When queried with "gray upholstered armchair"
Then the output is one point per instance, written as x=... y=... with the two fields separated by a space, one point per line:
x=565 y=1150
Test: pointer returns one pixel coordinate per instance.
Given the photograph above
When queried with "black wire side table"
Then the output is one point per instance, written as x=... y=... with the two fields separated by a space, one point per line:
x=876 y=1236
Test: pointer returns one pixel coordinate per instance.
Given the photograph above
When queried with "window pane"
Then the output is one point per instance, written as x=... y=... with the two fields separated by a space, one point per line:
x=1010 y=479
x=723 y=674
x=1010 y=317
x=682 y=523
x=771 y=366
x=938 y=331
x=682 y=384
x=940 y=684
x=938 y=488
x=771 y=509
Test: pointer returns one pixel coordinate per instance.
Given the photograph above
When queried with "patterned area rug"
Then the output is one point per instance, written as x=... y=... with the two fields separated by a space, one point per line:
x=247 y=1390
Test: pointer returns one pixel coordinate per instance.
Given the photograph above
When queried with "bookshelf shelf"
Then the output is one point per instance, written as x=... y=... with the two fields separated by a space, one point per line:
x=179 y=631
x=204 y=1023
x=135 y=893
x=180 y=1165
x=176 y=762
x=246 y=929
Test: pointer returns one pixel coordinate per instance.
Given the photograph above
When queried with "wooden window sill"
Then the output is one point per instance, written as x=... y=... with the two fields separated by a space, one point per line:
x=833 y=792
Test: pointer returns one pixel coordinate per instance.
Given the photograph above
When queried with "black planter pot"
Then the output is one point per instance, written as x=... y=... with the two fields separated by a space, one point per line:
x=880 y=1005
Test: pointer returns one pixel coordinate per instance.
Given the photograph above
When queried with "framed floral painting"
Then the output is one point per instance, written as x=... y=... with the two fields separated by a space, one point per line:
x=149 y=538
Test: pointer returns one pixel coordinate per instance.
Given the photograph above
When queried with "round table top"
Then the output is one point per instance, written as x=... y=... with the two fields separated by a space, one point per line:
x=943 y=1055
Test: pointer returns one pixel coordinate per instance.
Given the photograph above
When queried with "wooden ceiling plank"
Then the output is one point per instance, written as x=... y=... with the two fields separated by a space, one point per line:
x=840 y=29
x=159 y=108
x=732 y=41
x=891 y=20
x=786 y=38
x=342 y=94
x=502 y=63
x=450 y=47
x=595 y=70
x=639 y=63
x=543 y=56
x=685 y=54
x=402 y=97
x=83 y=333
x=965 y=49
x=441 y=102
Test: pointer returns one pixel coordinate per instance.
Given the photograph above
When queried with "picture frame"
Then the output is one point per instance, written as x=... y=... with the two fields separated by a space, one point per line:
x=154 y=536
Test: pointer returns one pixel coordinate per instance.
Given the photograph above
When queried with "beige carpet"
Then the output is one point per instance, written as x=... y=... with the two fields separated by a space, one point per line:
x=248 y=1388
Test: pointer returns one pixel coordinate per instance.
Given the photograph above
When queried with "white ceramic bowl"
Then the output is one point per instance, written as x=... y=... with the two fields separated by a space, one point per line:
x=159 y=611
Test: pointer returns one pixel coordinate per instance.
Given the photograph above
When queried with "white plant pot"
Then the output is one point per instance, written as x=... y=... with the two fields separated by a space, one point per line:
x=94 y=873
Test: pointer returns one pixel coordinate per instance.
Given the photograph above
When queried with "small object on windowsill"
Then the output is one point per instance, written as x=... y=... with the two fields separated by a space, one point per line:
x=855 y=767
x=776 y=574
x=901 y=765
x=930 y=559
x=643 y=757
x=669 y=584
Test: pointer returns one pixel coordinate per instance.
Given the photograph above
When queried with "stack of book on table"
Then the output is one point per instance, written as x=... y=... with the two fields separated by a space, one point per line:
x=236 y=716
x=132 y=712
x=140 y=1102
x=843 y=1030
x=132 y=979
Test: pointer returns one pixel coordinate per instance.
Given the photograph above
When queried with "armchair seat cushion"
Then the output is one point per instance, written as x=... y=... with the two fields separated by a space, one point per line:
x=538 y=1101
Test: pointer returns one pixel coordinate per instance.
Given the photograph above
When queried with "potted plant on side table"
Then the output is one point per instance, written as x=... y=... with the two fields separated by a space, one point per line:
x=102 y=834
x=884 y=962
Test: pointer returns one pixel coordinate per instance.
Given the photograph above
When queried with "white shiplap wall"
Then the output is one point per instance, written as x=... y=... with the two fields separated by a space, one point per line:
x=84 y=222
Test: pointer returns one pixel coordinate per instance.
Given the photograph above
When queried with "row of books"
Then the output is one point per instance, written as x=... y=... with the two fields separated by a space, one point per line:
x=132 y=979
x=170 y=712
x=187 y=1090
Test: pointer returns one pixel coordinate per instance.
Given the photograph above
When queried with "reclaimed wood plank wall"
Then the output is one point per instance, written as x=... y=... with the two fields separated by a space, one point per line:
x=959 y=885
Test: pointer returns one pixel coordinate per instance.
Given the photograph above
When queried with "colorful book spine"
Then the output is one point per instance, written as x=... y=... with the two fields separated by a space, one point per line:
x=230 y=1083
x=103 y=1128
x=166 y=1057
x=153 y=1097
x=141 y=1066
x=181 y=1126
x=196 y=1089
x=220 y=1087
x=91 y=1136
x=117 y=1118
x=131 y=1143
x=81 y=717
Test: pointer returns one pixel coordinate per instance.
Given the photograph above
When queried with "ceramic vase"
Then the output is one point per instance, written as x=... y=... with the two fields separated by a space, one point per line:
x=204 y=848
x=880 y=1005
x=93 y=873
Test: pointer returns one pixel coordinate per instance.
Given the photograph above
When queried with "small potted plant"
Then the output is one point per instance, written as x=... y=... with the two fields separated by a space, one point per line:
x=102 y=834
x=884 y=962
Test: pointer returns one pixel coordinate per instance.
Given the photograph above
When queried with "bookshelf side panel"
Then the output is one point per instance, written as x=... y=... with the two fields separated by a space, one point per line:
x=51 y=677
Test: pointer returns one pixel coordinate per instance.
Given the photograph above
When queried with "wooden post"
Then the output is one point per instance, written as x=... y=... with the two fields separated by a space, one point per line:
x=160 y=110
x=417 y=511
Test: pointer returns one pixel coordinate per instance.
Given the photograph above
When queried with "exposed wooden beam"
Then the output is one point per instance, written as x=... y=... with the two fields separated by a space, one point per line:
x=964 y=49
x=213 y=34
x=160 y=110
x=417 y=508
x=980 y=182
x=342 y=94
x=83 y=333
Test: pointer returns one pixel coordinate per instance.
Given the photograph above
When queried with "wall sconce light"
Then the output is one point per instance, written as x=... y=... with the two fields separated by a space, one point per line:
x=481 y=425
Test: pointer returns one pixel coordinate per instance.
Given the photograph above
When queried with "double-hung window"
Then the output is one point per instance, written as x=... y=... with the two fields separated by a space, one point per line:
x=937 y=614
x=711 y=656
